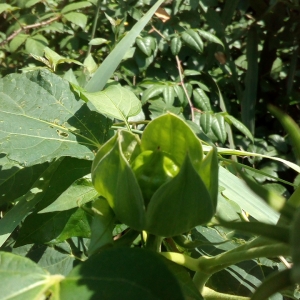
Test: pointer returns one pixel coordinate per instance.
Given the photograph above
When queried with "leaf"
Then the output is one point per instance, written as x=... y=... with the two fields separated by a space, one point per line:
x=102 y=226
x=218 y=128
x=15 y=181
x=206 y=120
x=42 y=120
x=76 y=18
x=110 y=64
x=55 y=260
x=176 y=45
x=201 y=100
x=274 y=283
x=114 y=179
x=274 y=200
x=79 y=193
x=98 y=41
x=146 y=45
x=193 y=40
x=17 y=42
x=173 y=136
x=209 y=173
x=115 y=101
x=238 y=191
x=210 y=37
x=239 y=126
x=180 y=204
x=32 y=281
x=36 y=44
x=53 y=228
x=75 y=6
x=7 y=7
x=152 y=92
x=169 y=95
x=291 y=127
x=26 y=203
x=138 y=274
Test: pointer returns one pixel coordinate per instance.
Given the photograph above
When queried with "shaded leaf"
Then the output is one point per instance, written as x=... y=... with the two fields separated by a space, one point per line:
x=218 y=128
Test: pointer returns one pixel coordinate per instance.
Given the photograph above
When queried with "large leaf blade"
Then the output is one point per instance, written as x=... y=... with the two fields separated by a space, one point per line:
x=41 y=120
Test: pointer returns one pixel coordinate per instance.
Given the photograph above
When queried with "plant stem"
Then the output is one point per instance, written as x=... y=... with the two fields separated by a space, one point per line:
x=94 y=25
x=209 y=294
x=153 y=242
x=184 y=88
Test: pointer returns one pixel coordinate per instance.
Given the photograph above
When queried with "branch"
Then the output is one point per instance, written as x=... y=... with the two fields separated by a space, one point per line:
x=15 y=33
x=184 y=88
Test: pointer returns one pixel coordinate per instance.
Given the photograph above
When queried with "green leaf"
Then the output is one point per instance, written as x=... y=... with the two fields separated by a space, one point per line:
x=32 y=281
x=114 y=179
x=209 y=173
x=36 y=44
x=188 y=287
x=53 y=228
x=111 y=63
x=7 y=7
x=193 y=40
x=75 y=6
x=180 y=204
x=169 y=95
x=26 y=203
x=274 y=200
x=42 y=120
x=201 y=100
x=137 y=274
x=146 y=45
x=76 y=18
x=55 y=59
x=55 y=260
x=17 y=41
x=102 y=225
x=15 y=180
x=291 y=127
x=176 y=45
x=238 y=191
x=274 y=283
x=116 y=102
x=152 y=92
x=210 y=37
x=206 y=120
x=98 y=41
x=79 y=193
x=173 y=136
x=239 y=126
x=218 y=128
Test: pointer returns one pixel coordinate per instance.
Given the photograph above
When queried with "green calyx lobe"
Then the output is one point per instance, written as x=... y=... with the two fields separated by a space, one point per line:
x=152 y=169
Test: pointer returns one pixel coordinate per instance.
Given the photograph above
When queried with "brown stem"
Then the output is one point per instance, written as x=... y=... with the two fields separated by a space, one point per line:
x=184 y=88
x=23 y=28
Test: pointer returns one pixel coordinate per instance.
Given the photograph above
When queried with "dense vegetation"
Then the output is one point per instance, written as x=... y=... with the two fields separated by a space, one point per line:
x=148 y=149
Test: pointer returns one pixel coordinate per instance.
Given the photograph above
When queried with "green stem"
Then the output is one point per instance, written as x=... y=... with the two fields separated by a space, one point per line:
x=94 y=25
x=209 y=294
x=153 y=242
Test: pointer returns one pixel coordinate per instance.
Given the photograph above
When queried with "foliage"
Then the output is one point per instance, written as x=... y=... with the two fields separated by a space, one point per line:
x=114 y=149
